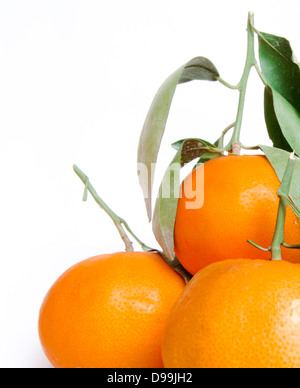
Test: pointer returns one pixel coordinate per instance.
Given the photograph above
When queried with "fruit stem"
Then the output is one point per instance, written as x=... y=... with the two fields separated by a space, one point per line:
x=242 y=86
x=278 y=238
x=289 y=201
x=234 y=146
x=119 y=222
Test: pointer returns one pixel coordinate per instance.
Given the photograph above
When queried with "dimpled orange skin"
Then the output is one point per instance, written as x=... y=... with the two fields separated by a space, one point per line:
x=240 y=203
x=109 y=312
x=237 y=314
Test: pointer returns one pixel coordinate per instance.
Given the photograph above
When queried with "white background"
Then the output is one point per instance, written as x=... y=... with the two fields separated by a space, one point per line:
x=76 y=80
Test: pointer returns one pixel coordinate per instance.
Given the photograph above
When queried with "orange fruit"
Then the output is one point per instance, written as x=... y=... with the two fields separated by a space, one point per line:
x=109 y=312
x=240 y=203
x=237 y=313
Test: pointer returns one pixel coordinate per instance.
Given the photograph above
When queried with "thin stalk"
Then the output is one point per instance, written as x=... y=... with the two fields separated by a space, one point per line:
x=220 y=143
x=259 y=72
x=122 y=227
x=234 y=144
x=119 y=222
x=295 y=208
x=278 y=238
x=250 y=148
x=291 y=246
x=228 y=85
x=258 y=246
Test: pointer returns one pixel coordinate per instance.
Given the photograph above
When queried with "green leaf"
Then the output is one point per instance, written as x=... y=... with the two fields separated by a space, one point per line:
x=167 y=200
x=278 y=67
x=191 y=144
x=212 y=152
x=206 y=157
x=292 y=205
x=198 y=68
x=278 y=159
x=274 y=130
x=289 y=120
x=280 y=45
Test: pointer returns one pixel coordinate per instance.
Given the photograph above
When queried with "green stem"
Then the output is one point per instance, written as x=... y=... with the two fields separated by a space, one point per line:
x=283 y=194
x=118 y=221
x=295 y=208
x=291 y=246
x=278 y=238
x=234 y=144
x=250 y=148
x=261 y=76
x=122 y=224
x=258 y=246
x=223 y=82
x=220 y=143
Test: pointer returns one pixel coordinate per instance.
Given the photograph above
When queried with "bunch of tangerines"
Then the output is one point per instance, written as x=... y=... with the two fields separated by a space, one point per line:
x=224 y=291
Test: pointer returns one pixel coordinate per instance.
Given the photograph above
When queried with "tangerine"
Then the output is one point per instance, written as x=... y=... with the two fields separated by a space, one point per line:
x=240 y=203
x=238 y=313
x=109 y=312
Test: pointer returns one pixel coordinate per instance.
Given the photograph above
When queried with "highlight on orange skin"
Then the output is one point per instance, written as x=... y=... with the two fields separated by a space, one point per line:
x=109 y=312
x=240 y=204
x=236 y=314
